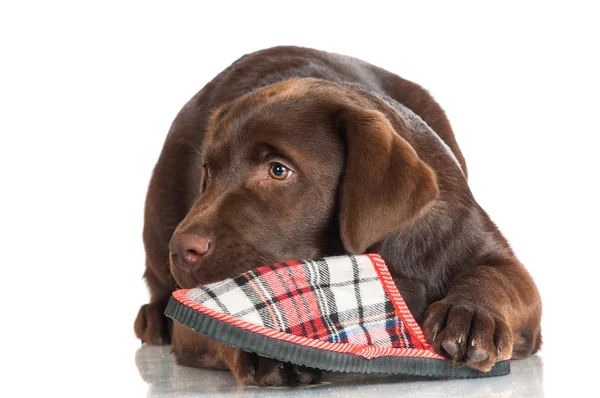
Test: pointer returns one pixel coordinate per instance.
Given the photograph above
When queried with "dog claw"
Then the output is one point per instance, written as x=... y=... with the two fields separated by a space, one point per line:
x=451 y=348
x=479 y=355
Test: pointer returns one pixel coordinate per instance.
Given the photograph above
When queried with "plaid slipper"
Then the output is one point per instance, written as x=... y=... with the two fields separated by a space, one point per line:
x=336 y=313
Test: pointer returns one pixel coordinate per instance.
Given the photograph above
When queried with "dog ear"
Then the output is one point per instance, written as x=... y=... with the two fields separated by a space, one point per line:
x=385 y=184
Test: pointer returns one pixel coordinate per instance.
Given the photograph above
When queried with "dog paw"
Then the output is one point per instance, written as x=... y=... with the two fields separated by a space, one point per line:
x=254 y=369
x=468 y=335
x=151 y=325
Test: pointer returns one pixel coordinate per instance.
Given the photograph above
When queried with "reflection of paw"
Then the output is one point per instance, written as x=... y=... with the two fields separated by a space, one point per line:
x=202 y=359
x=254 y=369
x=467 y=334
x=151 y=325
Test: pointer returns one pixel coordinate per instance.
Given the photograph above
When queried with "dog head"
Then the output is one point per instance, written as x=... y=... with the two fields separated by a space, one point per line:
x=300 y=169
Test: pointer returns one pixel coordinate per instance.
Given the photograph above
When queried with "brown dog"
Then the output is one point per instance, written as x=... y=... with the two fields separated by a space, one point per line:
x=292 y=153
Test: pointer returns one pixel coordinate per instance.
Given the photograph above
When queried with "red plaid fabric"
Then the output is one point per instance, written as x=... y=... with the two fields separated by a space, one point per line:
x=347 y=299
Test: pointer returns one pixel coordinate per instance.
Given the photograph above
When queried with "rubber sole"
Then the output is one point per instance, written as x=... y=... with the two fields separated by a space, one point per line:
x=316 y=358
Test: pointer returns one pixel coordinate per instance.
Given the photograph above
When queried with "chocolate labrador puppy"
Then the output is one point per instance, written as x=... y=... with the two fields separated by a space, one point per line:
x=292 y=153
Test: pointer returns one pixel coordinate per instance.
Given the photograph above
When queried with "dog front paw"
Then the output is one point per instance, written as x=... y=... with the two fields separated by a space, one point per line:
x=467 y=334
x=254 y=369
x=151 y=325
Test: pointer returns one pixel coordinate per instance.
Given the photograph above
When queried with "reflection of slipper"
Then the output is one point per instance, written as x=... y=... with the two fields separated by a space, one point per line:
x=337 y=313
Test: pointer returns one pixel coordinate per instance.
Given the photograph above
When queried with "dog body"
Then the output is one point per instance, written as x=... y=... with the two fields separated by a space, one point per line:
x=293 y=153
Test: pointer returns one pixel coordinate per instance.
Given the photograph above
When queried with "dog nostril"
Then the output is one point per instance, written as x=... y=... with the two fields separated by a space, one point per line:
x=191 y=256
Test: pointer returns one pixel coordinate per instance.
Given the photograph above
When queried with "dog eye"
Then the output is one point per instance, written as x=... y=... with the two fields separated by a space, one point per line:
x=279 y=171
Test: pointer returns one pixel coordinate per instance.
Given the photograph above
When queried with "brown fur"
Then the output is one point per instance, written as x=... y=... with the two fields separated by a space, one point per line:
x=363 y=181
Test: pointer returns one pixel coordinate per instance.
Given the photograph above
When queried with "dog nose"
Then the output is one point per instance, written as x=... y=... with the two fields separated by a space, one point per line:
x=191 y=248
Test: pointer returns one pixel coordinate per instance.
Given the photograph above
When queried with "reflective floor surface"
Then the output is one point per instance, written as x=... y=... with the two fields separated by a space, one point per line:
x=166 y=379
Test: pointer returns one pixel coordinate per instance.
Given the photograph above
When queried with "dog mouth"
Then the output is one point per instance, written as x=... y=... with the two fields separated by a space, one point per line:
x=183 y=275
x=188 y=278
x=218 y=268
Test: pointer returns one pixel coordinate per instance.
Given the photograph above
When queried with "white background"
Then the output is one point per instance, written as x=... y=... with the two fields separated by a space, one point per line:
x=88 y=91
